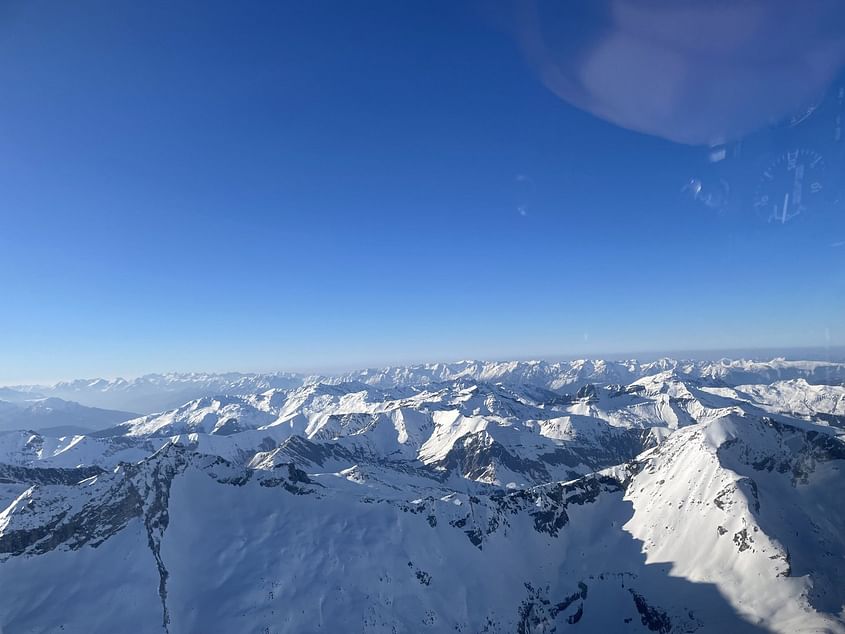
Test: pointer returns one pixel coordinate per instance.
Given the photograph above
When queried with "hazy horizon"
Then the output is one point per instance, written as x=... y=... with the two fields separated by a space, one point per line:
x=834 y=354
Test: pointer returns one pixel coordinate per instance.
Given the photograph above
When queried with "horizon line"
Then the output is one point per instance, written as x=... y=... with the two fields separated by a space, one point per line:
x=834 y=354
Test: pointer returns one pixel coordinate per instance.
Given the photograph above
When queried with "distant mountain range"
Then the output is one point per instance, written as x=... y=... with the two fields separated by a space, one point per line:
x=159 y=392
x=56 y=417
x=523 y=497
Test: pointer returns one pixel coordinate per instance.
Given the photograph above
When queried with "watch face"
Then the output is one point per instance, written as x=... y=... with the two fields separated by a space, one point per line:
x=791 y=185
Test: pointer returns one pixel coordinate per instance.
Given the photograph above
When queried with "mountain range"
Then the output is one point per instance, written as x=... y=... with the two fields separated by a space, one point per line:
x=53 y=416
x=159 y=392
x=585 y=496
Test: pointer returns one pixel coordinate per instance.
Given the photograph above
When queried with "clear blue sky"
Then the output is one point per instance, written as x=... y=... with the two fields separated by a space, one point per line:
x=249 y=186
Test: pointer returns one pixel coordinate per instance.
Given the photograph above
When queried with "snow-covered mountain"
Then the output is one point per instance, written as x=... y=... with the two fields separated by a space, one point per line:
x=567 y=373
x=159 y=392
x=57 y=417
x=153 y=393
x=469 y=497
x=11 y=395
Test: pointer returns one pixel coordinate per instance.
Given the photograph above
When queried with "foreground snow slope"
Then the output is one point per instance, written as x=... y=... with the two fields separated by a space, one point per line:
x=667 y=504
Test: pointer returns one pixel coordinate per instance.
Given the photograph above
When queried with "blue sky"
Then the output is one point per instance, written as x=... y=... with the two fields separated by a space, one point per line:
x=330 y=184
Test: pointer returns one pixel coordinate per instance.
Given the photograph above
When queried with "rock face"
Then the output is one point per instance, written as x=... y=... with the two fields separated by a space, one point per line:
x=662 y=505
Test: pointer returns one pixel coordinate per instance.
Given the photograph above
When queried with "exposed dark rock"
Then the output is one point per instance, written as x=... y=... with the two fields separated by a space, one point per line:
x=651 y=617
x=40 y=475
x=743 y=540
